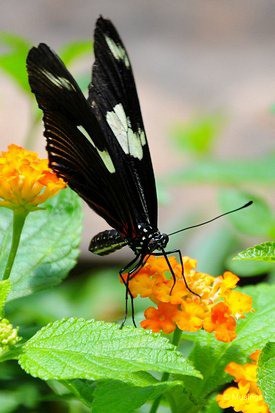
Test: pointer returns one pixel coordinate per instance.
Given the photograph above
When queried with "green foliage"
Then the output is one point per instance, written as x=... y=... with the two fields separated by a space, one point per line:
x=266 y=374
x=127 y=397
x=5 y=287
x=13 y=64
x=262 y=252
x=71 y=52
x=25 y=395
x=246 y=268
x=51 y=236
x=211 y=357
x=75 y=348
x=13 y=61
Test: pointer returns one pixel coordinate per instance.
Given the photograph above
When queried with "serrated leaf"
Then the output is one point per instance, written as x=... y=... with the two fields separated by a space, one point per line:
x=5 y=287
x=261 y=252
x=116 y=396
x=48 y=247
x=76 y=348
x=258 y=171
x=257 y=219
x=266 y=374
x=13 y=62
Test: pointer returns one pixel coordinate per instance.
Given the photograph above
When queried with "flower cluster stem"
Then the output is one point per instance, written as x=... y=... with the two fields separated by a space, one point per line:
x=165 y=376
x=19 y=218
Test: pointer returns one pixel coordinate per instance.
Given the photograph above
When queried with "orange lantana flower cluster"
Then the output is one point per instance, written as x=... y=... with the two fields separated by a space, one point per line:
x=25 y=180
x=207 y=303
x=247 y=396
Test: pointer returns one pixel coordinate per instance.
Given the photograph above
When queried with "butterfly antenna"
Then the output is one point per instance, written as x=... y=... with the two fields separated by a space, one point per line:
x=213 y=219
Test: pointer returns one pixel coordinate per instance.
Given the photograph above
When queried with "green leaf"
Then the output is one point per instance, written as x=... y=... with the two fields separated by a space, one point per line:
x=266 y=374
x=247 y=268
x=75 y=348
x=258 y=171
x=48 y=247
x=198 y=135
x=257 y=328
x=257 y=219
x=13 y=62
x=116 y=396
x=5 y=287
x=261 y=252
x=82 y=389
x=212 y=406
x=105 y=396
x=74 y=50
x=211 y=357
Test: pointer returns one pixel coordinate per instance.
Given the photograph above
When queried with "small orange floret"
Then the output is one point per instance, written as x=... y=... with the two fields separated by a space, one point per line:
x=25 y=180
x=246 y=397
x=221 y=321
x=238 y=302
x=160 y=318
x=191 y=316
x=207 y=303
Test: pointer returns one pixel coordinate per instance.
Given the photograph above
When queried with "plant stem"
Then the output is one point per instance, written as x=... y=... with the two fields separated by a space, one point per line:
x=165 y=376
x=19 y=218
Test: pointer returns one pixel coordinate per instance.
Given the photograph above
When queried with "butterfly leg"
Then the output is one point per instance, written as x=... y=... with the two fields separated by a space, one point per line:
x=138 y=263
x=176 y=251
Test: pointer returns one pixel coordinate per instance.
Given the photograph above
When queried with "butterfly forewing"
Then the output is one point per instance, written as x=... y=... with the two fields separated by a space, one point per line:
x=109 y=168
x=113 y=95
x=75 y=144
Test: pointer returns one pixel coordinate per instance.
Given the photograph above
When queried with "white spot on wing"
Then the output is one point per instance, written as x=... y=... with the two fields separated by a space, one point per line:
x=117 y=51
x=60 y=82
x=104 y=155
x=130 y=142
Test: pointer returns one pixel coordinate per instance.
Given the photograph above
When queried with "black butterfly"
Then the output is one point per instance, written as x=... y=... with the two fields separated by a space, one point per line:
x=99 y=146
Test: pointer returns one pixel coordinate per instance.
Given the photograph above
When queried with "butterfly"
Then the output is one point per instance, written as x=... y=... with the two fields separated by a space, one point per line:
x=99 y=146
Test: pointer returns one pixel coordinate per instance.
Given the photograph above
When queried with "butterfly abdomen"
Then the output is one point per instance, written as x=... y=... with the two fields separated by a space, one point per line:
x=107 y=242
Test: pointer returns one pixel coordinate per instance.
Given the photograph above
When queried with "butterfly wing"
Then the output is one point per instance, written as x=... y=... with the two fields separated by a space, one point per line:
x=113 y=96
x=80 y=149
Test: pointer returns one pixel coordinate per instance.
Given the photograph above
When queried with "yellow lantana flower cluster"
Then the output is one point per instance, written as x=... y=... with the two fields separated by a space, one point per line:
x=25 y=180
x=8 y=335
x=214 y=306
x=246 y=397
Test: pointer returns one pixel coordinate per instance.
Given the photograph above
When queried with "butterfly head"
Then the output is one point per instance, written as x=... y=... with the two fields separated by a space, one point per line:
x=157 y=242
x=149 y=240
